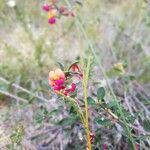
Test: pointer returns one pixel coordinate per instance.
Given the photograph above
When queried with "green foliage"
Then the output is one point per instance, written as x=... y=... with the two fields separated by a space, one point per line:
x=100 y=93
x=41 y=115
x=146 y=124
x=68 y=121
x=91 y=101
x=61 y=66
x=17 y=134
x=103 y=122
x=112 y=105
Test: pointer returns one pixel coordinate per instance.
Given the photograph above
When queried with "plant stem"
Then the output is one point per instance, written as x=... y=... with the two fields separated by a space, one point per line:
x=85 y=86
x=75 y=105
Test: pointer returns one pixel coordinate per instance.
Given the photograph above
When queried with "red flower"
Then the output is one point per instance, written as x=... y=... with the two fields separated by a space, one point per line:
x=71 y=89
x=58 y=87
x=57 y=79
x=57 y=82
x=46 y=7
x=55 y=11
x=75 y=69
x=52 y=20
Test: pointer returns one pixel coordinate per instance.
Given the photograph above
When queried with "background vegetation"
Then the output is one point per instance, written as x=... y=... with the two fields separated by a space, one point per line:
x=30 y=115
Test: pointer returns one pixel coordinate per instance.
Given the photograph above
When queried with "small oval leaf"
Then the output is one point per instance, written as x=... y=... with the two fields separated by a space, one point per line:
x=91 y=101
x=100 y=93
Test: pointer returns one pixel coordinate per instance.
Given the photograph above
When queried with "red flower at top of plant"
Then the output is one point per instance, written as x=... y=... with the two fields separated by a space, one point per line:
x=52 y=20
x=52 y=13
x=55 y=11
x=46 y=7
x=52 y=16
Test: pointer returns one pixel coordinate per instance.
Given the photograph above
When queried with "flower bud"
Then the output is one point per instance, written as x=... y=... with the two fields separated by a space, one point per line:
x=46 y=7
x=52 y=20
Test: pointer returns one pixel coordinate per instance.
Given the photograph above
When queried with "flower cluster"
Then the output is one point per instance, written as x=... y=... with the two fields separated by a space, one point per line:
x=57 y=81
x=61 y=81
x=54 y=11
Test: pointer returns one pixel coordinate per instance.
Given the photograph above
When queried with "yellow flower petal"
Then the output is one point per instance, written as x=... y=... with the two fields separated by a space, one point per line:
x=52 y=13
x=59 y=73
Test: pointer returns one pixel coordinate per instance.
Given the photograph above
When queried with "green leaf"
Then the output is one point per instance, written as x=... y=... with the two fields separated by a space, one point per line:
x=130 y=145
x=102 y=121
x=61 y=66
x=39 y=119
x=72 y=110
x=112 y=104
x=79 y=3
x=129 y=78
x=146 y=126
x=74 y=94
x=91 y=101
x=68 y=121
x=131 y=118
x=100 y=93
x=56 y=111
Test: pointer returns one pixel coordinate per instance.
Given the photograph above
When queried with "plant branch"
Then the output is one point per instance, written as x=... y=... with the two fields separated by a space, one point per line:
x=22 y=89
